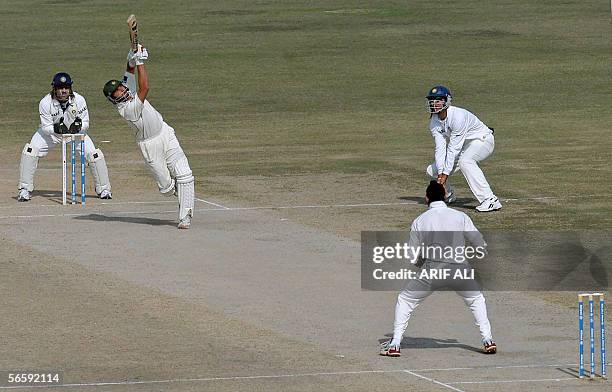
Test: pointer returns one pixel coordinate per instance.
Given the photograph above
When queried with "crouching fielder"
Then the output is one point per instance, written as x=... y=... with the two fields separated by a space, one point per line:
x=435 y=227
x=469 y=142
x=156 y=139
x=61 y=111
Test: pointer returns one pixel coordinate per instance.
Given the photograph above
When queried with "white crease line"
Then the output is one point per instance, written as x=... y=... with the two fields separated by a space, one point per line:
x=293 y=375
x=221 y=208
x=206 y=379
x=512 y=381
x=320 y=206
x=554 y=198
x=434 y=381
x=496 y=367
x=137 y=202
x=85 y=214
x=118 y=203
x=211 y=203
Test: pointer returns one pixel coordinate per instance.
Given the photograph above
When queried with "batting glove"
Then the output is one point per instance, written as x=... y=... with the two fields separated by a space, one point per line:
x=141 y=55
x=131 y=58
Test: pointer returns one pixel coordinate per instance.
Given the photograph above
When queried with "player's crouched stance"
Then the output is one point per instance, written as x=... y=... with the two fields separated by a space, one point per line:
x=440 y=219
x=461 y=140
x=62 y=111
x=156 y=139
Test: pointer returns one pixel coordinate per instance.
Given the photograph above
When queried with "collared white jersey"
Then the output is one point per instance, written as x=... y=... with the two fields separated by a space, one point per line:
x=142 y=117
x=51 y=111
x=458 y=126
x=451 y=225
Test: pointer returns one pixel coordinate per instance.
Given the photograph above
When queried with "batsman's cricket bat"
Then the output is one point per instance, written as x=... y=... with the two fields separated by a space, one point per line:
x=133 y=26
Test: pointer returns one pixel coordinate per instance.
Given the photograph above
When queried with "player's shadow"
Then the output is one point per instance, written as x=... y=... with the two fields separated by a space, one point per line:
x=127 y=219
x=428 y=343
x=460 y=202
x=55 y=196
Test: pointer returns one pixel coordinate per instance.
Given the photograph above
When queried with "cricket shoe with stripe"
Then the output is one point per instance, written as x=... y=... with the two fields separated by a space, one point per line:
x=185 y=223
x=451 y=197
x=106 y=194
x=489 y=347
x=389 y=350
x=491 y=204
x=23 y=195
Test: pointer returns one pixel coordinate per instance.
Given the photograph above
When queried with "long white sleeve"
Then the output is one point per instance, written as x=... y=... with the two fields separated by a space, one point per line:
x=455 y=144
x=130 y=80
x=46 y=117
x=440 y=149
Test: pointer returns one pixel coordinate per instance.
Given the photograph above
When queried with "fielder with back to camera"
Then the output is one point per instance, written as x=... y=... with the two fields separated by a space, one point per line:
x=62 y=111
x=436 y=227
x=158 y=144
x=461 y=140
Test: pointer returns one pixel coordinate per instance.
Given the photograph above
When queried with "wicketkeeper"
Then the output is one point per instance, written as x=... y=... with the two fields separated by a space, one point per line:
x=61 y=111
x=158 y=144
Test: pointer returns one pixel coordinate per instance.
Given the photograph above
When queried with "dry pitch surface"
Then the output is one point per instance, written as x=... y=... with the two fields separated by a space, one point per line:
x=250 y=298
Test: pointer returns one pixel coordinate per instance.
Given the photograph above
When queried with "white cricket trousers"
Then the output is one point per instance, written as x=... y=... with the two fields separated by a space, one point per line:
x=473 y=151
x=417 y=290
x=162 y=153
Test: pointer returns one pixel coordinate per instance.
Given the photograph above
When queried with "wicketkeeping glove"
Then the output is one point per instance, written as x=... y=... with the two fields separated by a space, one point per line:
x=60 y=128
x=76 y=126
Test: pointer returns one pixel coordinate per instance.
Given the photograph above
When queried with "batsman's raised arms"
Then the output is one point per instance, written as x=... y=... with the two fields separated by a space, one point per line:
x=133 y=26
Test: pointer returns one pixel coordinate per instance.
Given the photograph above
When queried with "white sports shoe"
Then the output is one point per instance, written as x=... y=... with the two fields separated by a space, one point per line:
x=23 y=195
x=106 y=194
x=491 y=204
x=185 y=222
x=451 y=197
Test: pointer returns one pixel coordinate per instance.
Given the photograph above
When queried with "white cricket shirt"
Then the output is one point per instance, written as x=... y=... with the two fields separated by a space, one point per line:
x=51 y=111
x=458 y=126
x=451 y=225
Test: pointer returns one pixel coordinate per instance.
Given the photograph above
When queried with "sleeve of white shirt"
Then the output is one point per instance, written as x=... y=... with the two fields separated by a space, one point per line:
x=455 y=144
x=440 y=149
x=130 y=80
x=414 y=242
x=84 y=113
x=46 y=120
x=472 y=234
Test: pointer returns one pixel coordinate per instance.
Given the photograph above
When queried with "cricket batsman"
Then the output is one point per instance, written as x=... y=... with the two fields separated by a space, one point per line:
x=461 y=141
x=158 y=144
x=62 y=111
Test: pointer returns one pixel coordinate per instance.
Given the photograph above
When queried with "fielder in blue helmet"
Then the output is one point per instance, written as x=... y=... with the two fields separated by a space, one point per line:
x=461 y=142
x=438 y=99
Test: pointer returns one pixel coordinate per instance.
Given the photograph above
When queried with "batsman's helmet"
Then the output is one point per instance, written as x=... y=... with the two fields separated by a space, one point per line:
x=110 y=87
x=438 y=93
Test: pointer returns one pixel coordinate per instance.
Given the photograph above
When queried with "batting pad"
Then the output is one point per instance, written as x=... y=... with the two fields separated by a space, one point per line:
x=185 y=185
x=27 y=167
x=99 y=171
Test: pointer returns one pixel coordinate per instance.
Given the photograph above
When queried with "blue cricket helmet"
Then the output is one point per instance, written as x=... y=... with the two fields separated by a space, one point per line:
x=61 y=79
x=438 y=93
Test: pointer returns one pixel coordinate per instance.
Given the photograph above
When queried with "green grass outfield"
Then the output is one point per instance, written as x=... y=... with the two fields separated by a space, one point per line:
x=271 y=88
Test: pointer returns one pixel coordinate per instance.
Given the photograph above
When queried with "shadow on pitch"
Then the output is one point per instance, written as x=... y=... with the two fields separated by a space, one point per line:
x=55 y=196
x=459 y=203
x=127 y=219
x=428 y=343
